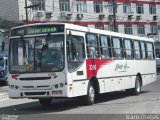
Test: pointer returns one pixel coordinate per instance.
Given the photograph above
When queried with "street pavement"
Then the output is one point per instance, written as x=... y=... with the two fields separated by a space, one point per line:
x=3 y=91
x=110 y=106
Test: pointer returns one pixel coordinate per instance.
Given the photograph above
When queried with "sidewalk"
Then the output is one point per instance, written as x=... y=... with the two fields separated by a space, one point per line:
x=4 y=96
x=4 y=93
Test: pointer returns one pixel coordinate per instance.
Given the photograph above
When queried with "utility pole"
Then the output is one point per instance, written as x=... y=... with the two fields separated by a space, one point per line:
x=26 y=7
x=114 y=16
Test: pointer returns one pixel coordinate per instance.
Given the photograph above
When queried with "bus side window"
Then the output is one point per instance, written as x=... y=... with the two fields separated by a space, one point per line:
x=150 y=51
x=117 y=48
x=128 y=49
x=76 y=48
x=92 y=46
x=137 y=50
x=105 y=47
x=143 y=50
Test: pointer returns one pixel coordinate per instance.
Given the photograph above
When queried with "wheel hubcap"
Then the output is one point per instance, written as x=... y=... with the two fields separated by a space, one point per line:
x=91 y=93
x=138 y=86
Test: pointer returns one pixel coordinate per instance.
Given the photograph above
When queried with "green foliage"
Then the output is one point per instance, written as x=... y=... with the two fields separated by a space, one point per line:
x=5 y=24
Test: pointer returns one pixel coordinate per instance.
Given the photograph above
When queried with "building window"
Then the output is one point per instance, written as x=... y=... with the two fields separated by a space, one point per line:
x=98 y=7
x=152 y=8
x=141 y=29
x=82 y=6
x=128 y=29
x=139 y=8
x=126 y=8
x=153 y=29
x=110 y=7
x=40 y=3
x=110 y=27
x=99 y=26
x=64 y=5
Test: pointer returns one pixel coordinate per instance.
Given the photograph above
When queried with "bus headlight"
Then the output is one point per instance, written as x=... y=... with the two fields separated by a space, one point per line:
x=1 y=73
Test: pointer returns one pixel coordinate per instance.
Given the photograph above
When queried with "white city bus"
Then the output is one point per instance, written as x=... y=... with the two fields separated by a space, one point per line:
x=59 y=60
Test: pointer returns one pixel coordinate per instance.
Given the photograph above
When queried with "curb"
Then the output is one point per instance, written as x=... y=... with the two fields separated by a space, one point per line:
x=4 y=96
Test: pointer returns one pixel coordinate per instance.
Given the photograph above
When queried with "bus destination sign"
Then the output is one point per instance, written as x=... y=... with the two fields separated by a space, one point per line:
x=39 y=29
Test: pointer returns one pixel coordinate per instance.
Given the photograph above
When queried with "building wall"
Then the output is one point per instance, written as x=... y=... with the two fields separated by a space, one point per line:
x=91 y=19
x=9 y=10
x=14 y=10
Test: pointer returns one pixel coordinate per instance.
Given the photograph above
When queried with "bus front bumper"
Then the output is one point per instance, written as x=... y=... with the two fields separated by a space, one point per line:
x=13 y=93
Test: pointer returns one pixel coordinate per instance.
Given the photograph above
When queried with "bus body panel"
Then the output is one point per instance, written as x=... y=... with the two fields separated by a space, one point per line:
x=24 y=85
x=112 y=74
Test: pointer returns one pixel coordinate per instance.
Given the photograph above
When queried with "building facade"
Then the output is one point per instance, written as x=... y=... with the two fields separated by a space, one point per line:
x=136 y=17
x=132 y=16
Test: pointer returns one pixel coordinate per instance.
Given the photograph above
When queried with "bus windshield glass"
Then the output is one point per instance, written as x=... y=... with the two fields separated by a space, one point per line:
x=37 y=54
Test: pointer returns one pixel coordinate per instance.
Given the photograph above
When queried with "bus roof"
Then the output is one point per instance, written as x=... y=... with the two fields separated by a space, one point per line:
x=93 y=30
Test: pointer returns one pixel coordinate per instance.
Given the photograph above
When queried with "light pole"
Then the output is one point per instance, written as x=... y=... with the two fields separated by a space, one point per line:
x=114 y=15
x=114 y=9
x=26 y=7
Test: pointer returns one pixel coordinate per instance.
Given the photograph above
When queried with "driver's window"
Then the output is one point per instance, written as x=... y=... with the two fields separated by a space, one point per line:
x=75 y=53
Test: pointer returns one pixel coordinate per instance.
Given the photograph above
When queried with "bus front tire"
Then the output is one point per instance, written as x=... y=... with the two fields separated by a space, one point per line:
x=90 y=98
x=45 y=101
x=137 y=89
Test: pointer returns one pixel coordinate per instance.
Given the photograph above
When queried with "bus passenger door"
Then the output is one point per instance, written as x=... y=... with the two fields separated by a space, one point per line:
x=76 y=61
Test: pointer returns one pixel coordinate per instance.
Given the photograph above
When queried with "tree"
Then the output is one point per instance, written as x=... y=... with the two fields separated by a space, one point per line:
x=5 y=24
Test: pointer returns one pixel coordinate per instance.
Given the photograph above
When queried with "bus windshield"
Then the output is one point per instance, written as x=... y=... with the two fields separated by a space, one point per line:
x=37 y=54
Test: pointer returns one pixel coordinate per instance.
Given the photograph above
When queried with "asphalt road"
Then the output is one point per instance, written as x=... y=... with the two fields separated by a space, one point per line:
x=110 y=106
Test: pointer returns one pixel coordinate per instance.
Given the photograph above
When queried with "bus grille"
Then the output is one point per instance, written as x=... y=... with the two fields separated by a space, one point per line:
x=35 y=78
x=35 y=93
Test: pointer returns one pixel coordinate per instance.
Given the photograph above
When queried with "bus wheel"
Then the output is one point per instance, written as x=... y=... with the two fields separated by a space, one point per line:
x=90 y=98
x=137 y=89
x=45 y=101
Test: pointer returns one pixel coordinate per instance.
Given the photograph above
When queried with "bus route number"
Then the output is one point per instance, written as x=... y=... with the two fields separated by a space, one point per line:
x=92 y=67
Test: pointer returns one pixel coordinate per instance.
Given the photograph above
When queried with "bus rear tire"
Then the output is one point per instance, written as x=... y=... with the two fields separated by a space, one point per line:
x=90 y=98
x=137 y=89
x=45 y=101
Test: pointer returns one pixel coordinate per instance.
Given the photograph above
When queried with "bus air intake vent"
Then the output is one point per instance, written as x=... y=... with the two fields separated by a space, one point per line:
x=28 y=86
x=44 y=86
x=35 y=93
x=35 y=78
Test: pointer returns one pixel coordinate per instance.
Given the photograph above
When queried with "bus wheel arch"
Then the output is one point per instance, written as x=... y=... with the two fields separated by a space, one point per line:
x=95 y=82
x=137 y=87
x=92 y=91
